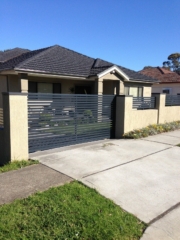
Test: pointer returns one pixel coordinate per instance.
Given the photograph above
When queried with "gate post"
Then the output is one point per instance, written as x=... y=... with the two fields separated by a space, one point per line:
x=123 y=106
x=15 y=126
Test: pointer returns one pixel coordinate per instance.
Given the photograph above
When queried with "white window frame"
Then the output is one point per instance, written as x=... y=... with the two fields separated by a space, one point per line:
x=167 y=89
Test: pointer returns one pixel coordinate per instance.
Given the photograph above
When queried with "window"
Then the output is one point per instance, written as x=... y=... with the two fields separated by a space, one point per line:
x=166 y=90
x=32 y=87
x=35 y=87
x=134 y=91
x=45 y=88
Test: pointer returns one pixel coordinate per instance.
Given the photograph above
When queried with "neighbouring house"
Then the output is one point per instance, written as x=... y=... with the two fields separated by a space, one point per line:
x=11 y=53
x=169 y=82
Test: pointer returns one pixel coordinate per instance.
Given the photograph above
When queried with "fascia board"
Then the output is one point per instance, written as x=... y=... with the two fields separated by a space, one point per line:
x=45 y=74
x=116 y=69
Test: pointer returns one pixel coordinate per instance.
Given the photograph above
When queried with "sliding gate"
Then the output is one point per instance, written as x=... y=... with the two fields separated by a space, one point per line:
x=56 y=120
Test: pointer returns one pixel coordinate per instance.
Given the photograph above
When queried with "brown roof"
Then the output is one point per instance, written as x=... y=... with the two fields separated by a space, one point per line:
x=161 y=74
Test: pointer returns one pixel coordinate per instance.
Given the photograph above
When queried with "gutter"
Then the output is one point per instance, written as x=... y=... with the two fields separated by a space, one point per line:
x=48 y=74
x=140 y=80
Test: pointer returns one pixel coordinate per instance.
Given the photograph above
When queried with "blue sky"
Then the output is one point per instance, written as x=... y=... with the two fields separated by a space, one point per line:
x=131 y=33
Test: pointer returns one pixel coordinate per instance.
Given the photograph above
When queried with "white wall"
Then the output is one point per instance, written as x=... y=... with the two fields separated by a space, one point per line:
x=175 y=88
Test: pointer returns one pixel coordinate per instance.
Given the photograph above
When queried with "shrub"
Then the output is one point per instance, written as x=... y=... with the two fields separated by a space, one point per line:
x=153 y=130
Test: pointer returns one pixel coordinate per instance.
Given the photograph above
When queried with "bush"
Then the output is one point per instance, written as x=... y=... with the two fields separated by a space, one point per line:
x=153 y=130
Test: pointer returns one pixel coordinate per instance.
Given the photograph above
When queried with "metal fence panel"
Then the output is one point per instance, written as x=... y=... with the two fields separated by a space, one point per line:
x=172 y=100
x=56 y=120
x=1 y=118
x=144 y=102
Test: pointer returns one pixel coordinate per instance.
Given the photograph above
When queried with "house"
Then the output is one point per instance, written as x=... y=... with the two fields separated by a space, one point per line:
x=169 y=82
x=59 y=70
x=85 y=108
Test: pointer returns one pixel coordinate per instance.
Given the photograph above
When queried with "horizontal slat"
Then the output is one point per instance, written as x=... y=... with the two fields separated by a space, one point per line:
x=172 y=100
x=56 y=120
x=144 y=102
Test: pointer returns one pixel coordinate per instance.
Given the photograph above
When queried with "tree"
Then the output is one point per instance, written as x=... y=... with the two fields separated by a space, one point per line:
x=173 y=62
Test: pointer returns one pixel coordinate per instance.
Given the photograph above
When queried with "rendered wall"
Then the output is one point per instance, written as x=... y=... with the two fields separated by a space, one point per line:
x=147 y=91
x=135 y=119
x=15 y=127
x=169 y=113
x=128 y=119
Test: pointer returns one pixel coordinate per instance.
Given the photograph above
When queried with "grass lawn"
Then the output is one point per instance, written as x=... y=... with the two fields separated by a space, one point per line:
x=72 y=211
x=16 y=165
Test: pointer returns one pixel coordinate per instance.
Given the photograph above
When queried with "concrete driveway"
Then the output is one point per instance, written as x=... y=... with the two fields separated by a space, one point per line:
x=142 y=176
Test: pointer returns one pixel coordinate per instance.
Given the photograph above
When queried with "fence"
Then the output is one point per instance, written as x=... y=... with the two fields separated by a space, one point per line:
x=56 y=120
x=172 y=100
x=1 y=118
x=144 y=102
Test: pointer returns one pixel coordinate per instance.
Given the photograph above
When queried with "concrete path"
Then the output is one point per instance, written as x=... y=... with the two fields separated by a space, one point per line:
x=142 y=176
x=26 y=181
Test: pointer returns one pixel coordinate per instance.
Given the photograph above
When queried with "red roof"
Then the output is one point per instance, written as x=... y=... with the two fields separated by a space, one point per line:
x=161 y=74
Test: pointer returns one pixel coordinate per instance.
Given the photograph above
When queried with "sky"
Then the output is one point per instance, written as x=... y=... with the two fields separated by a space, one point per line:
x=130 y=33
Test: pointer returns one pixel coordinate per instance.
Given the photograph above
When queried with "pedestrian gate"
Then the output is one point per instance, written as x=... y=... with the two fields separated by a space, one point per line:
x=56 y=120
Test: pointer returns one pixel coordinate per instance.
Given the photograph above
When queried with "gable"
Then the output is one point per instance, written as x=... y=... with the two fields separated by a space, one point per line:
x=113 y=73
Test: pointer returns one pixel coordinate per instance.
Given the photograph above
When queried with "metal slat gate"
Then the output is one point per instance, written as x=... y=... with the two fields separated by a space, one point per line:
x=56 y=120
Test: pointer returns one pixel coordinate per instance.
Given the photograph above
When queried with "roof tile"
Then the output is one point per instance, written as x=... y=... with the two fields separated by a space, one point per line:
x=161 y=74
x=62 y=61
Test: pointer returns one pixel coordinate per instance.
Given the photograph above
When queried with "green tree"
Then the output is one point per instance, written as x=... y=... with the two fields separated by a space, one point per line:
x=173 y=62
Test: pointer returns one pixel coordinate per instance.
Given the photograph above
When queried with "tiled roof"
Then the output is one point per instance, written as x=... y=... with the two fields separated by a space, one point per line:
x=59 y=60
x=12 y=53
x=62 y=61
x=12 y=63
x=101 y=65
x=161 y=74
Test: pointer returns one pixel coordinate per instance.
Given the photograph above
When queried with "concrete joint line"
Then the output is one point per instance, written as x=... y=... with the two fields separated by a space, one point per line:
x=164 y=213
x=171 y=136
x=126 y=162
x=57 y=170
x=158 y=142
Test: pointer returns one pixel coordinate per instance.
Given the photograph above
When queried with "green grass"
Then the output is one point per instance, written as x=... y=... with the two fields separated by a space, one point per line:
x=16 y=165
x=178 y=145
x=72 y=211
x=153 y=130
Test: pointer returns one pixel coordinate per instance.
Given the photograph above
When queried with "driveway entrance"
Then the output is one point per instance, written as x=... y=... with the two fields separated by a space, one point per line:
x=142 y=176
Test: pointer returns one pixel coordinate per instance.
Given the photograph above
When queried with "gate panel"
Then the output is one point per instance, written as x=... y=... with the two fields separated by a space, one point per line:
x=57 y=120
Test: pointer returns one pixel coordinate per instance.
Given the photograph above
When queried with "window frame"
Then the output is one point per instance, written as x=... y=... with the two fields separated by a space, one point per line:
x=167 y=89
x=36 y=87
x=127 y=90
